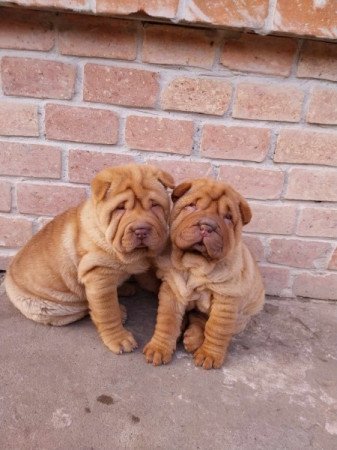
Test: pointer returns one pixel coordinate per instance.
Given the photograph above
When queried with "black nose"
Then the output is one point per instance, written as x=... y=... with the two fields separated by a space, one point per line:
x=142 y=232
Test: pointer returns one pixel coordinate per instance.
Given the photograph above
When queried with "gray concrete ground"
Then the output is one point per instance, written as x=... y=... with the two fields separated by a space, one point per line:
x=62 y=389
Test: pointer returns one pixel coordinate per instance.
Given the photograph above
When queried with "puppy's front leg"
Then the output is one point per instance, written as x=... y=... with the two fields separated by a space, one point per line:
x=219 y=330
x=168 y=327
x=101 y=291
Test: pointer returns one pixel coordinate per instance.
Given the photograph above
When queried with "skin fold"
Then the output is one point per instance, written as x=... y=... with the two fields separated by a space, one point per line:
x=206 y=272
x=74 y=265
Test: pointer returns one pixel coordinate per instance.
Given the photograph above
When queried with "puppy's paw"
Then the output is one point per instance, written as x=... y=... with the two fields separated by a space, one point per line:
x=207 y=359
x=124 y=314
x=157 y=354
x=124 y=343
x=193 y=338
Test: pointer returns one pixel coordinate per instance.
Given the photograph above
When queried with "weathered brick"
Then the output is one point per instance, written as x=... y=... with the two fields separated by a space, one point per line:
x=312 y=184
x=262 y=54
x=323 y=106
x=250 y=14
x=154 y=8
x=201 y=95
x=268 y=102
x=255 y=246
x=298 y=253
x=322 y=286
x=14 y=231
x=252 y=182
x=69 y=123
x=245 y=143
x=18 y=119
x=276 y=280
x=6 y=256
x=333 y=261
x=272 y=219
x=159 y=134
x=98 y=37
x=22 y=30
x=120 y=86
x=165 y=44
x=318 y=60
x=73 y=5
x=5 y=196
x=47 y=199
x=306 y=147
x=306 y=17
x=37 y=78
x=30 y=160
x=318 y=222
x=183 y=170
x=83 y=165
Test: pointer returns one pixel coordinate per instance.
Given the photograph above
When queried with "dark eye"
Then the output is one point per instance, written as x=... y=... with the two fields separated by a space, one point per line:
x=191 y=205
x=120 y=207
x=228 y=217
x=154 y=204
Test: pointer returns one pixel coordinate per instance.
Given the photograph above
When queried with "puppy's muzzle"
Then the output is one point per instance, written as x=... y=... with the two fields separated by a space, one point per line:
x=141 y=232
x=206 y=226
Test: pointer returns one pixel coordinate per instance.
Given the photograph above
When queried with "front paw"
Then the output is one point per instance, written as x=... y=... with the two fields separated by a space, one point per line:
x=208 y=359
x=157 y=354
x=124 y=343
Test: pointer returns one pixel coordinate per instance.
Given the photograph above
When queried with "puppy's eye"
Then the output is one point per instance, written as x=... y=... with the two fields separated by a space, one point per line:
x=191 y=205
x=228 y=217
x=154 y=204
x=120 y=207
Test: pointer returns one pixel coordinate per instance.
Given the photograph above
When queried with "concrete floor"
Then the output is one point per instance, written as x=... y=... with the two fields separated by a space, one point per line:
x=60 y=388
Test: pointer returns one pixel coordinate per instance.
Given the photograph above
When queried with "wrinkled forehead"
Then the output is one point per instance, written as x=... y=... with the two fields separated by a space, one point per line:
x=208 y=193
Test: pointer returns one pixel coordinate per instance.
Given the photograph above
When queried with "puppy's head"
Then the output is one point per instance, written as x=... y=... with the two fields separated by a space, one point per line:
x=132 y=208
x=207 y=218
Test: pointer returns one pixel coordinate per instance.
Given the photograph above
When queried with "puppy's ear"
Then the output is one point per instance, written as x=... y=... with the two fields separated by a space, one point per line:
x=165 y=179
x=99 y=188
x=245 y=211
x=180 y=190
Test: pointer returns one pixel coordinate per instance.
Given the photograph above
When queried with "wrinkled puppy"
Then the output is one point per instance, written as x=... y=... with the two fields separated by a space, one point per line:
x=76 y=262
x=208 y=270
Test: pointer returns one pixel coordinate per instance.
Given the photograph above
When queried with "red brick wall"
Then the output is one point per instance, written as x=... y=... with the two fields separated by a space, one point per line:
x=79 y=93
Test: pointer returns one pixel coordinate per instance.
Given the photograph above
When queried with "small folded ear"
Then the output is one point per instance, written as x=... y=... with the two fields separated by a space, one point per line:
x=245 y=211
x=165 y=179
x=180 y=190
x=99 y=188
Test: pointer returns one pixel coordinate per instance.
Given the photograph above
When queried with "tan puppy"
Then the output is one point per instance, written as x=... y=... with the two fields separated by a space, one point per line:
x=208 y=269
x=75 y=263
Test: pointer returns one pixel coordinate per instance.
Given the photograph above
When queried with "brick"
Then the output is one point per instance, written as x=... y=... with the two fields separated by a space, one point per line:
x=298 y=253
x=164 y=44
x=47 y=199
x=154 y=8
x=276 y=280
x=333 y=261
x=5 y=196
x=5 y=258
x=22 y=30
x=322 y=286
x=312 y=184
x=318 y=60
x=18 y=119
x=30 y=160
x=272 y=219
x=37 y=78
x=98 y=37
x=14 y=232
x=251 y=14
x=120 y=86
x=42 y=222
x=243 y=143
x=69 y=123
x=83 y=165
x=320 y=222
x=73 y=5
x=323 y=106
x=201 y=95
x=268 y=102
x=306 y=147
x=183 y=170
x=159 y=134
x=255 y=246
x=269 y=55
x=306 y=17
x=253 y=183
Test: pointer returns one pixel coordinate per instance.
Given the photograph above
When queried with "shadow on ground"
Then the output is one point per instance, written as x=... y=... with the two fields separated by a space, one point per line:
x=60 y=388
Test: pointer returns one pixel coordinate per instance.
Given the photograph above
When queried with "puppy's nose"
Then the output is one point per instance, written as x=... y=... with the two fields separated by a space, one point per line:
x=207 y=225
x=142 y=231
x=206 y=229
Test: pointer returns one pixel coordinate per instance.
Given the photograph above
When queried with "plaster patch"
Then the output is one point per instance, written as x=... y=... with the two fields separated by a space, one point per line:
x=61 y=419
x=331 y=427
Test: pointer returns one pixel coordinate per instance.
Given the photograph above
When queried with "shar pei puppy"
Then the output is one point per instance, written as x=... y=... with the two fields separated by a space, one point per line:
x=74 y=265
x=207 y=271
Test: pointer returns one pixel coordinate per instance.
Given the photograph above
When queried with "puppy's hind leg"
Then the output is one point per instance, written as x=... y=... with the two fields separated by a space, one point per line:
x=194 y=334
